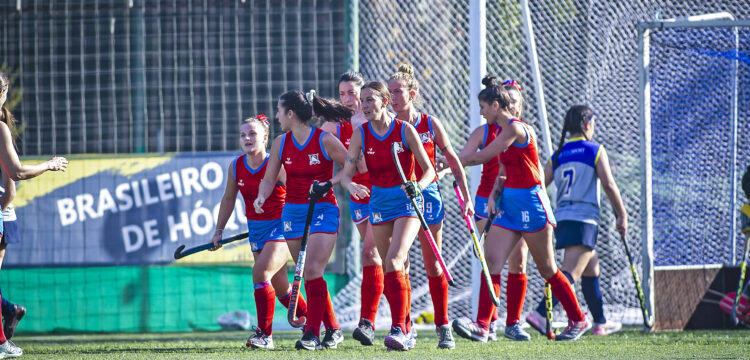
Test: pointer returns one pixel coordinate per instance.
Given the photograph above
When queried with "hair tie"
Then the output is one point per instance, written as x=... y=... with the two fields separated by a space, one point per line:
x=310 y=95
x=512 y=83
x=262 y=118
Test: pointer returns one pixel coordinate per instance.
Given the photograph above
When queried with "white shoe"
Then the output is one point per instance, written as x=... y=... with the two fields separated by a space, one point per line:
x=493 y=331
x=9 y=350
x=607 y=328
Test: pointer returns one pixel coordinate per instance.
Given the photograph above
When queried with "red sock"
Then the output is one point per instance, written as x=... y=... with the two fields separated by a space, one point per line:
x=372 y=289
x=316 y=297
x=407 y=320
x=396 y=293
x=264 y=306
x=562 y=290
x=515 y=289
x=329 y=317
x=486 y=308
x=439 y=294
x=301 y=304
x=2 y=334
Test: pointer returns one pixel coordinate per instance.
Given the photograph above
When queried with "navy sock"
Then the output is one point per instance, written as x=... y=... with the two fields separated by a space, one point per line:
x=593 y=296
x=542 y=308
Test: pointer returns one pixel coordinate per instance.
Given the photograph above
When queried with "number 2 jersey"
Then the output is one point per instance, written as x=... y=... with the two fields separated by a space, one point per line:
x=577 y=184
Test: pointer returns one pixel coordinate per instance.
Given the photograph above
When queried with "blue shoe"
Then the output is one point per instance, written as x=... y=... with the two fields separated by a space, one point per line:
x=574 y=330
x=514 y=332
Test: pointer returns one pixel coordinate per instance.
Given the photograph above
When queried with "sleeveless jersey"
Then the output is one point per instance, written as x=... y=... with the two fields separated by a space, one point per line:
x=303 y=164
x=427 y=137
x=248 y=181
x=521 y=162
x=490 y=169
x=344 y=131
x=378 y=158
x=576 y=180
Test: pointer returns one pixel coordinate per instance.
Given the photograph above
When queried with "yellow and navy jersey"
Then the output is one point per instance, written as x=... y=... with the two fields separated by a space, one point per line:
x=578 y=188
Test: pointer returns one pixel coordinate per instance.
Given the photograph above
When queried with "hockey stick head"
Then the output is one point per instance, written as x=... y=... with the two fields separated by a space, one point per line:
x=178 y=253
x=395 y=147
x=319 y=190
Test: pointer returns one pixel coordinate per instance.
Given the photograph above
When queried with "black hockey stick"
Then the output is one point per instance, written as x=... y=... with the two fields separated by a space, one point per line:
x=478 y=247
x=395 y=147
x=179 y=253
x=317 y=192
x=648 y=321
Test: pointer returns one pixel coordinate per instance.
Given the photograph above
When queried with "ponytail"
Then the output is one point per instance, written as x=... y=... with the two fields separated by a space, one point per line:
x=329 y=109
x=7 y=117
x=576 y=117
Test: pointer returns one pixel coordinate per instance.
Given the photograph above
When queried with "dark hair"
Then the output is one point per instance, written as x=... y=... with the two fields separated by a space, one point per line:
x=746 y=182
x=354 y=77
x=5 y=115
x=378 y=88
x=493 y=92
x=575 y=118
x=296 y=101
x=331 y=110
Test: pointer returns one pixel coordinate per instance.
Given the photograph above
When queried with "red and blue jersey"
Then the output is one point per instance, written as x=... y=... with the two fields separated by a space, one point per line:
x=248 y=181
x=377 y=150
x=490 y=169
x=305 y=163
x=344 y=131
x=521 y=162
x=427 y=137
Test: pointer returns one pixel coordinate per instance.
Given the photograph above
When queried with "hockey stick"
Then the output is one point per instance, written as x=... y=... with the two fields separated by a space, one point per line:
x=317 y=192
x=548 y=306
x=477 y=248
x=738 y=294
x=648 y=321
x=179 y=254
x=394 y=151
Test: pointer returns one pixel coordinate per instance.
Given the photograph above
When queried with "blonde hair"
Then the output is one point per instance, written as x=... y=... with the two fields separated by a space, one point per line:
x=405 y=73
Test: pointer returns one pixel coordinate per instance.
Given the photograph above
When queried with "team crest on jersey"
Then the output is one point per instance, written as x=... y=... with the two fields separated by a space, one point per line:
x=288 y=161
x=399 y=147
x=240 y=183
x=425 y=137
x=314 y=159
x=376 y=217
x=287 y=226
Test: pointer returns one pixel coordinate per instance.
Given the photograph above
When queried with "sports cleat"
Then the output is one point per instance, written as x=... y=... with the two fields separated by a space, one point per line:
x=445 y=337
x=537 y=321
x=397 y=340
x=574 y=330
x=493 y=331
x=607 y=328
x=12 y=322
x=468 y=329
x=514 y=332
x=308 y=342
x=412 y=343
x=260 y=340
x=9 y=350
x=364 y=333
x=332 y=338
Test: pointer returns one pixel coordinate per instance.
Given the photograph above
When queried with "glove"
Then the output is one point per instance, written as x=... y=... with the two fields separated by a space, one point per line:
x=412 y=189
